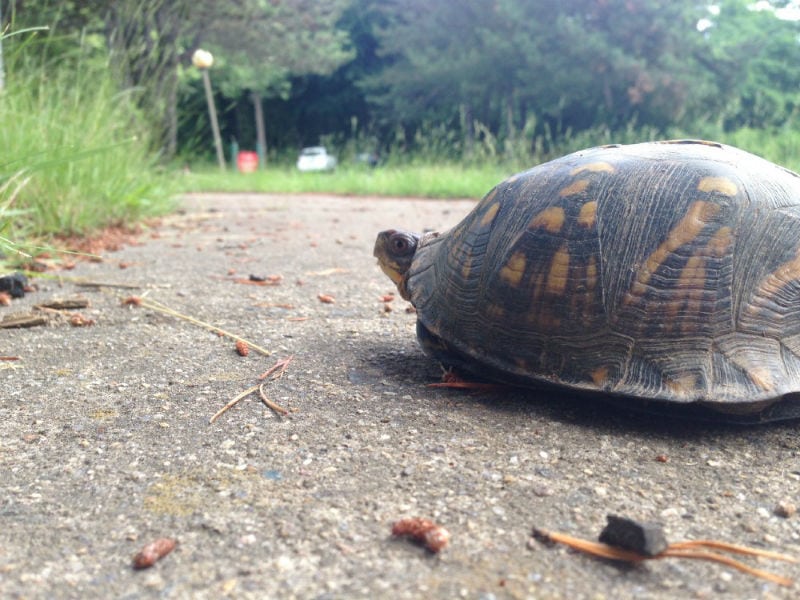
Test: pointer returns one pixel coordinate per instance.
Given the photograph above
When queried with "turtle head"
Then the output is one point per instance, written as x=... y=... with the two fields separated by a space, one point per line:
x=395 y=250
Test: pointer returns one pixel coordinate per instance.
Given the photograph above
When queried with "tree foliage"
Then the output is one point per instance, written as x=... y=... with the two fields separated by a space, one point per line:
x=573 y=63
x=405 y=69
x=259 y=43
x=752 y=57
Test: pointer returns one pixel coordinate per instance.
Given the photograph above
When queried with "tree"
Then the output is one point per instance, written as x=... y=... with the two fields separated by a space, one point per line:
x=262 y=44
x=752 y=57
x=567 y=63
x=258 y=45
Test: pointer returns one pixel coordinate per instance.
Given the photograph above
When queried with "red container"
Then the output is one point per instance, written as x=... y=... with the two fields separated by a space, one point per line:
x=247 y=161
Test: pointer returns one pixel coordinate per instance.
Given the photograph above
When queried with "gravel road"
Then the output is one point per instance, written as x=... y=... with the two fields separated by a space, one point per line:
x=105 y=441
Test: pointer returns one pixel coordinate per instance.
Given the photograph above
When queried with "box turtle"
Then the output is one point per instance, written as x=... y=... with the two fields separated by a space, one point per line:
x=665 y=273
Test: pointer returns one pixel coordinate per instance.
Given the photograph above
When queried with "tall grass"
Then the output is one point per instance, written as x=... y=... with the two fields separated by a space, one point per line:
x=77 y=141
x=435 y=173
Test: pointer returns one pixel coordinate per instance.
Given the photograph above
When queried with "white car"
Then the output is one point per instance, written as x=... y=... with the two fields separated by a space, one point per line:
x=316 y=158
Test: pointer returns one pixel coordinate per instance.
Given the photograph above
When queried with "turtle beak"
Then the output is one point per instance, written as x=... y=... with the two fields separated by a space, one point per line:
x=382 y=252
x=381 y=244
x=395 y=251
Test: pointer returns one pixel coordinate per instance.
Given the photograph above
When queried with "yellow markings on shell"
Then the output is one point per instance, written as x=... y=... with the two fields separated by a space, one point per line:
x=551 y=219
x=587 y=301
x=576 y=187
x=761 y=377
x=490 y=214
x=599 y=376
x=721 y=241
x=591 y=273
x=465 y=270
x=773 y=282
x=686 y=230
x=545 y=319
x=693 y=275
x=495 y=312
x=720 y=185
x=682 y=385
x=595 y=167
x=690 y=283
x=559 y=270
x=789 y=271
x=514 y=269
x=588 y=214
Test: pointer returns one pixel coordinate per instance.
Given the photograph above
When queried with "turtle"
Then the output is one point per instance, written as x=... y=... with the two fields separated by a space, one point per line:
x=662 y=275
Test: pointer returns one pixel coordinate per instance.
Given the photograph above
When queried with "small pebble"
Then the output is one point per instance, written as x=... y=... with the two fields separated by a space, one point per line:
x=785 y=508
x=669 y=513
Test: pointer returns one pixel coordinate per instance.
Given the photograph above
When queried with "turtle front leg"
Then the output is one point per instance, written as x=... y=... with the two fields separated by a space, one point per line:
x=452 y=364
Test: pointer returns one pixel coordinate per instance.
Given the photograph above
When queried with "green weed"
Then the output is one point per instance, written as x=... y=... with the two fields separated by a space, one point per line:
x=78 y=144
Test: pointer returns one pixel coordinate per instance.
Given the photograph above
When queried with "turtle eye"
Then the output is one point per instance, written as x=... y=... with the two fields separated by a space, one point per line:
x=402 y=244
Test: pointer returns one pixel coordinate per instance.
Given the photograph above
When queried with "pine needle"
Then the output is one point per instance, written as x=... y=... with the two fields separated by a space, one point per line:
x=270 y=404
x=232 y=403
x=695 y=549
x=155 y=305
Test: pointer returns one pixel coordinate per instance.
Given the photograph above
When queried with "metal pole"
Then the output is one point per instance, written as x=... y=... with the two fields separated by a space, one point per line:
x=212 y=113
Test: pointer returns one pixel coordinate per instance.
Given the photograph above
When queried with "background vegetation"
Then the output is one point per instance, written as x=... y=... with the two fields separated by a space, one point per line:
x=451 y=95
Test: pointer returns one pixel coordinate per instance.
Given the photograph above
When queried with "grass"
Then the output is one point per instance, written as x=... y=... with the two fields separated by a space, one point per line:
x=75 y=154
x=781 y=147
x=445 y=178
x=429 y=181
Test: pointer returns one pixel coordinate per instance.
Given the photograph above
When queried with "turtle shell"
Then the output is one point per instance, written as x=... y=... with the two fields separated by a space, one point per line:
x=666 y=271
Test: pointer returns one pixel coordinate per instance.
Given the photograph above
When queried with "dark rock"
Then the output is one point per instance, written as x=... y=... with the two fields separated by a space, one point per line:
x=14 y=284
x=643 y=538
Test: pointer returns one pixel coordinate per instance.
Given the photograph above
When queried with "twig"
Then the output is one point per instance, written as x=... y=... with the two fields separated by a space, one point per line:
x=691 y=549
x=78 y=281
x=125 y=286
x=64 y=304
x=154 y=305
x=588 y=546
x=280 y=367
x=232 y=403
x=28 y=320
x=270 y=404
x=282 y=364
x=734 y=548
x=728 y=561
